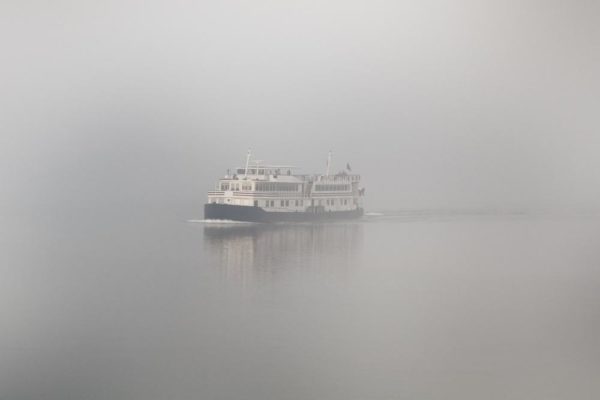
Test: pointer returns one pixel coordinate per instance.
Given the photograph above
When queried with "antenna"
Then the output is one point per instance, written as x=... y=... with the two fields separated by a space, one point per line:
x=247 y=162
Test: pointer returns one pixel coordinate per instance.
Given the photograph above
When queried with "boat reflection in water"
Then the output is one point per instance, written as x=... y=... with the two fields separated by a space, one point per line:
x=254 y=253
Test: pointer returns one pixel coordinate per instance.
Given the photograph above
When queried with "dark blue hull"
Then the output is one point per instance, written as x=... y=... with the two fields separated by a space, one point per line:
x=257 y=214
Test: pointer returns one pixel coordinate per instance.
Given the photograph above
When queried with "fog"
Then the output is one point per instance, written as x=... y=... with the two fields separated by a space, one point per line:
x=474 y=125
x=437 y=104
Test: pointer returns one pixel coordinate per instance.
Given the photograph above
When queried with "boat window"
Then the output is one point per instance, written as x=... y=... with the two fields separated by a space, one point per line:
x=332 y=187
x=276 y=187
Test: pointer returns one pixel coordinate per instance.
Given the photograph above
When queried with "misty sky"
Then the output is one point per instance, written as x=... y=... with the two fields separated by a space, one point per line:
x=436 y=103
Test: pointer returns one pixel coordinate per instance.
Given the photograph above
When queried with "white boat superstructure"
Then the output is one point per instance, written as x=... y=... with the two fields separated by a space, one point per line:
x=278 y=189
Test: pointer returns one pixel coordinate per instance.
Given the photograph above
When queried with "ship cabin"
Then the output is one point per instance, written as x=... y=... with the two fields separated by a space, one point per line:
x=277 y=188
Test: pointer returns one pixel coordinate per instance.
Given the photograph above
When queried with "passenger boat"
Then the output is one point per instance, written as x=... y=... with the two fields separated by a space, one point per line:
x=261 y=192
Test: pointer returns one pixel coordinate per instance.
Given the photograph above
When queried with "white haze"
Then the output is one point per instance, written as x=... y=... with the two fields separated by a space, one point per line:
x=116 y=117
x=438 y=104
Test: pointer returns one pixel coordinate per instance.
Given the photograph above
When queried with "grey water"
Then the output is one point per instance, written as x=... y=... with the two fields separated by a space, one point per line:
x=410 y=306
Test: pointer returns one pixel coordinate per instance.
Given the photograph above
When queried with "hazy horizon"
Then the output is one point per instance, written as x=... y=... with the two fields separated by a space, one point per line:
x=437 y=104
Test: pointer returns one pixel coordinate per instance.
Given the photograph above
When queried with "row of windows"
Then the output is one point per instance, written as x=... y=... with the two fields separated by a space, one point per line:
x=251 y=171
x=236 y=186
x=300 y=203
x=332 y=188
x=276 y=187
x=287 y=203
x=254 y=171
x=332 y=202
x=284 y=203
x=280 y=187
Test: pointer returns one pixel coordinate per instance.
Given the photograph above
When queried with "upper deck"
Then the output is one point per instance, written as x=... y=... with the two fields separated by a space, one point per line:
x=285 y=173
x=257 y=176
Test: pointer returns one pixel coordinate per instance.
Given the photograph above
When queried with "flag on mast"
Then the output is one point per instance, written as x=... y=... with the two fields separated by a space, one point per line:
x=348 y=167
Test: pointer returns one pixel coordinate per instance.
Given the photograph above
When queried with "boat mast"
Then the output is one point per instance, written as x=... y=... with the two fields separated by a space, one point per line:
x=328 y=163
x=247 y=162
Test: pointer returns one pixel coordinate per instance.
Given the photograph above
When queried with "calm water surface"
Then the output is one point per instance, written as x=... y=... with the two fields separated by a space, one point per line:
x=484 y=307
